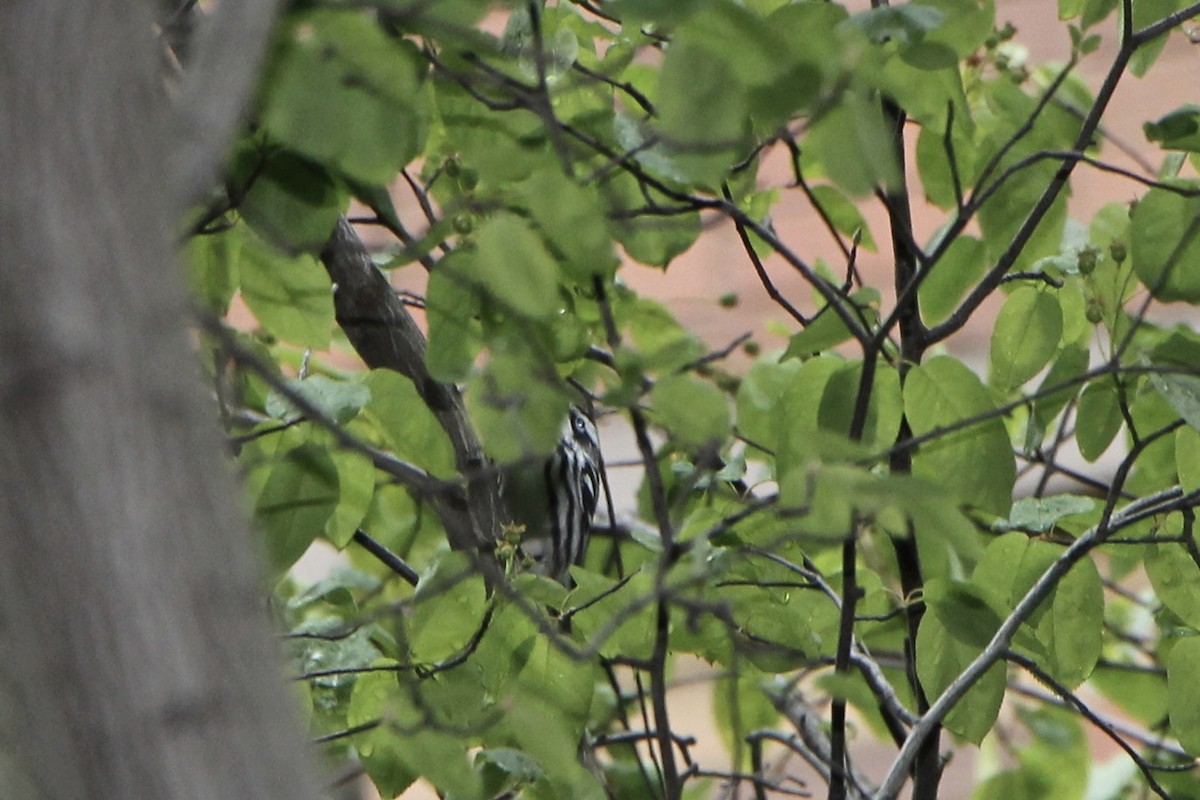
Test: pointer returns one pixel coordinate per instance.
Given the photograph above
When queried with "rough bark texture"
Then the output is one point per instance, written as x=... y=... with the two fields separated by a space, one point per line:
x=385 y=335
x=138 y=660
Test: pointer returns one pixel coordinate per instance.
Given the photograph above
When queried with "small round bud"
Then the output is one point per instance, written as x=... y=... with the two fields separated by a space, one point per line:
x=728 y=300
x=1085 y=261
x=1118 y=251
x=463 y=224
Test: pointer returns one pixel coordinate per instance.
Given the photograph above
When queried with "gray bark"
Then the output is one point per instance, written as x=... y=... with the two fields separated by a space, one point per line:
x=385 y=335
x=136 y=657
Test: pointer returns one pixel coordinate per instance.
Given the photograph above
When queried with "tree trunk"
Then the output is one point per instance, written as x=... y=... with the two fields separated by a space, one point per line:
x=137 y=658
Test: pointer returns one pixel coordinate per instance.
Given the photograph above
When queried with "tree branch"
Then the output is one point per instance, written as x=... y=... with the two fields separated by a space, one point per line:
x=384 y=334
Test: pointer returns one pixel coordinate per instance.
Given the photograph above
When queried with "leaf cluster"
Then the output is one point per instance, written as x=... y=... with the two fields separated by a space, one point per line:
x=859 y=519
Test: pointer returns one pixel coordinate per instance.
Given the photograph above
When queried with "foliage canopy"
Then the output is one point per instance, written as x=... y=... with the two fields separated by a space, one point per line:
x=836 y=525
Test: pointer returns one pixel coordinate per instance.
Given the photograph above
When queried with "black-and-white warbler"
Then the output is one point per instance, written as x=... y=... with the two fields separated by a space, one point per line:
x=572 y=477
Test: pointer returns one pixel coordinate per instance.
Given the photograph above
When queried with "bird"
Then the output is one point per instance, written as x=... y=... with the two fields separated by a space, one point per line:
x=572 y=479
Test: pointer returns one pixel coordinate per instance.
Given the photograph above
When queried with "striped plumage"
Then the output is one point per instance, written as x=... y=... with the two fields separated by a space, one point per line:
x=572 y=476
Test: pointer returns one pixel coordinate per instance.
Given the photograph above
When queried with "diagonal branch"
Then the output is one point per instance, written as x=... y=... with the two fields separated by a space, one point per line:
x=384 y=334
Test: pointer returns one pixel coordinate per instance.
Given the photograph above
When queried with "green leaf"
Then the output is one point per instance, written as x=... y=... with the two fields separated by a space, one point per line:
x=781 y=620
x=406 y=424
x=1069 y=9
x=844 y=215
x=1071 y=363
x=852 y=142
x=966 y=610
x=572 y=219
x=448 y=608
x=934 y=165
x=452 y=308
x=906 y=24
x=662 y=343
x=290 y=297
x=696 y=79
x=1187 y=458
x=884 y=406
x=380 y=750
x=1178 y=130
x=1166 y=241
x=336 y=588
x=949 y=279
x=1042 y=514
x=333 y=67
x=1098 y=418
x=1142 y=694
x=546 y=716
x=512 y=265
x=339 y=400
x=1147 y=12
x=965 y=24
x=827 y=329
x=1067 y=626
x=1182 y=392
x=297 y=499
x=648 y=239
x=799 y=438
x=940 y=659
x=1096 y=11
x=1025 y=338
x=517 y=404
x=499 y=149
x=1057 y=760
x=1009 y=567
x=1072 y=632
x=1183 y=693
x=600 y=599
x=211 y=261
x=406 y=745
x=976 y=463
x=292 y=202
x=739 y=707
x=758 y=396
x=506 y=769
x=356 y=488
x=1176 y=581
x=1156 y=467
x=324 y=653
x=694 y=411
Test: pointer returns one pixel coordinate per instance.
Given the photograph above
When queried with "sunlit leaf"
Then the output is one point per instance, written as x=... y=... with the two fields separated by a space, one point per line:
x=289 y=296
x=333 y=67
